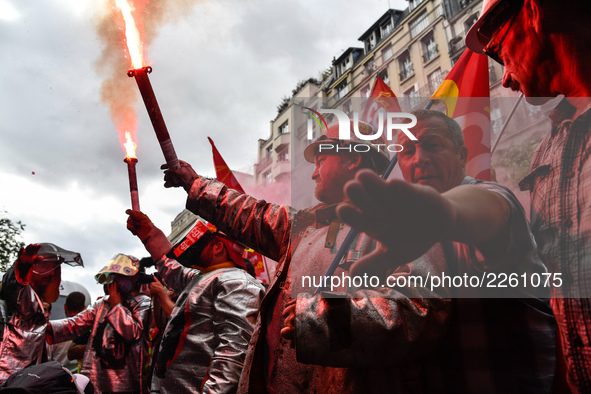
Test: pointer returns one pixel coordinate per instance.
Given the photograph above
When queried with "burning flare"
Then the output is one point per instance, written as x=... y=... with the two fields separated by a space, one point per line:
x=129 y=146
x=132 y=34
x=131 y=161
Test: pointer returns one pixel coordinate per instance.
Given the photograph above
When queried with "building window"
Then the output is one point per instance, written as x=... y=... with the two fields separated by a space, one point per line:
x=405 y=64
x=464 y=3
x=429 y=48
x=282 y=156
x=269 y=150
x=384 y=76
x=387 y=28
x=284 y=128
x=365 y=92
x=419 y=24
x=370 y=42
x=413 y=95
x=435 y=79
x=387 y=53
x=268 y=178
x=412 y=92
x=348 y=108
x=470 y=21
x=342 y=90
x=496 y=120
x=412 y=4
x=370 y=66
x=344 y=66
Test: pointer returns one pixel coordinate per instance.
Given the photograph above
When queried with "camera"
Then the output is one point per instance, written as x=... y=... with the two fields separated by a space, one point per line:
x=144 y=279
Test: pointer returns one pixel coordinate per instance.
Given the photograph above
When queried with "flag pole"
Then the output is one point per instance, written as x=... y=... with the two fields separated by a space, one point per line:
x=506 y=124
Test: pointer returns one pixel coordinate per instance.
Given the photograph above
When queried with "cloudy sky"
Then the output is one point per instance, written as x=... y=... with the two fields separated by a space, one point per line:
x=220 y=69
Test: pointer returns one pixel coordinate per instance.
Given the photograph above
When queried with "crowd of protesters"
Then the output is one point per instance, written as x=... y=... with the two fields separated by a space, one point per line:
x=220 y=331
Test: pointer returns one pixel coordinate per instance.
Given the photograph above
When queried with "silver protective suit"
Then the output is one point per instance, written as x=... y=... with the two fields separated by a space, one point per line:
x=24 y=332
x=117 y=349
x=204 y=343
x=389 y=326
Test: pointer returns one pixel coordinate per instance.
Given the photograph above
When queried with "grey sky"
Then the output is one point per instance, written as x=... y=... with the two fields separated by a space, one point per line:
x=219 y=71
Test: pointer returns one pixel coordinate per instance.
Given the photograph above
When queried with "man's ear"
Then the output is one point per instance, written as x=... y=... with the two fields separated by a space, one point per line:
x=463 y=152
x=218 y=248
x=533 y=12
x=354 y=161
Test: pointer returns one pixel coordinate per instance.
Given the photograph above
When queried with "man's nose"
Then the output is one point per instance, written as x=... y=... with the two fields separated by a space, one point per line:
x=421 y=158
x=507 y=80
x=315 y=174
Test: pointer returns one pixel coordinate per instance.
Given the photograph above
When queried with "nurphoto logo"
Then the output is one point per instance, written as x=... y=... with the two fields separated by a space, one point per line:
x=379 y=138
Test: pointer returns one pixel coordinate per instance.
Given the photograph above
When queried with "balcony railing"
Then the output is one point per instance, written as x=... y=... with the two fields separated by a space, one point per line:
x=430 y=88
x=458 y=42
x=420 y=24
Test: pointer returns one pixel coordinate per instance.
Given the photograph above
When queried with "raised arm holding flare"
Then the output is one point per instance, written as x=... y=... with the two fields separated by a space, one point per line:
x=204 y=343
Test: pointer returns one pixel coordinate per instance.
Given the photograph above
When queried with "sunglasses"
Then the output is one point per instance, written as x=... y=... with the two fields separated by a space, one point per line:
x=493 y=48
x=496 y=22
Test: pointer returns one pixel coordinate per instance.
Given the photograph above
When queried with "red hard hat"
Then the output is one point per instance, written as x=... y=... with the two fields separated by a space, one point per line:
x=188 y=250
x=494 y=14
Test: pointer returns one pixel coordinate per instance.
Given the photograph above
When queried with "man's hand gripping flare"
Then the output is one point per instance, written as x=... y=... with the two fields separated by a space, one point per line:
x=151 y=236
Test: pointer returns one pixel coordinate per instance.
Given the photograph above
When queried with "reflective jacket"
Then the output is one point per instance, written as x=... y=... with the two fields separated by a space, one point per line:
x=204 y=343
x=117 y=349
x=24 y=332
x=410 y=320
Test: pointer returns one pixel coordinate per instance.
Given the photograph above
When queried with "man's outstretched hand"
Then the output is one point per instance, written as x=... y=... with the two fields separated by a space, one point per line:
x=407 y=219
x=179 y=177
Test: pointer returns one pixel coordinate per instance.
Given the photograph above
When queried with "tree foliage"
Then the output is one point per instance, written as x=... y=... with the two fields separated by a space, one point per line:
x=10 y=241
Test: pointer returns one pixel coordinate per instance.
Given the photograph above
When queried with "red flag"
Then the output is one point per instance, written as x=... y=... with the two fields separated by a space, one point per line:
x=222 y=171
x=225 y=175
x=382 y=100
x=469 y=79
x=258 y=262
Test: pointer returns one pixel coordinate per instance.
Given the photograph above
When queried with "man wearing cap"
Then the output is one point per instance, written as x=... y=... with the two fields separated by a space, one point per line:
x=544 y=47
x=117 y=348
x=328 y=344
x=32 y=280
x=204 y=344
